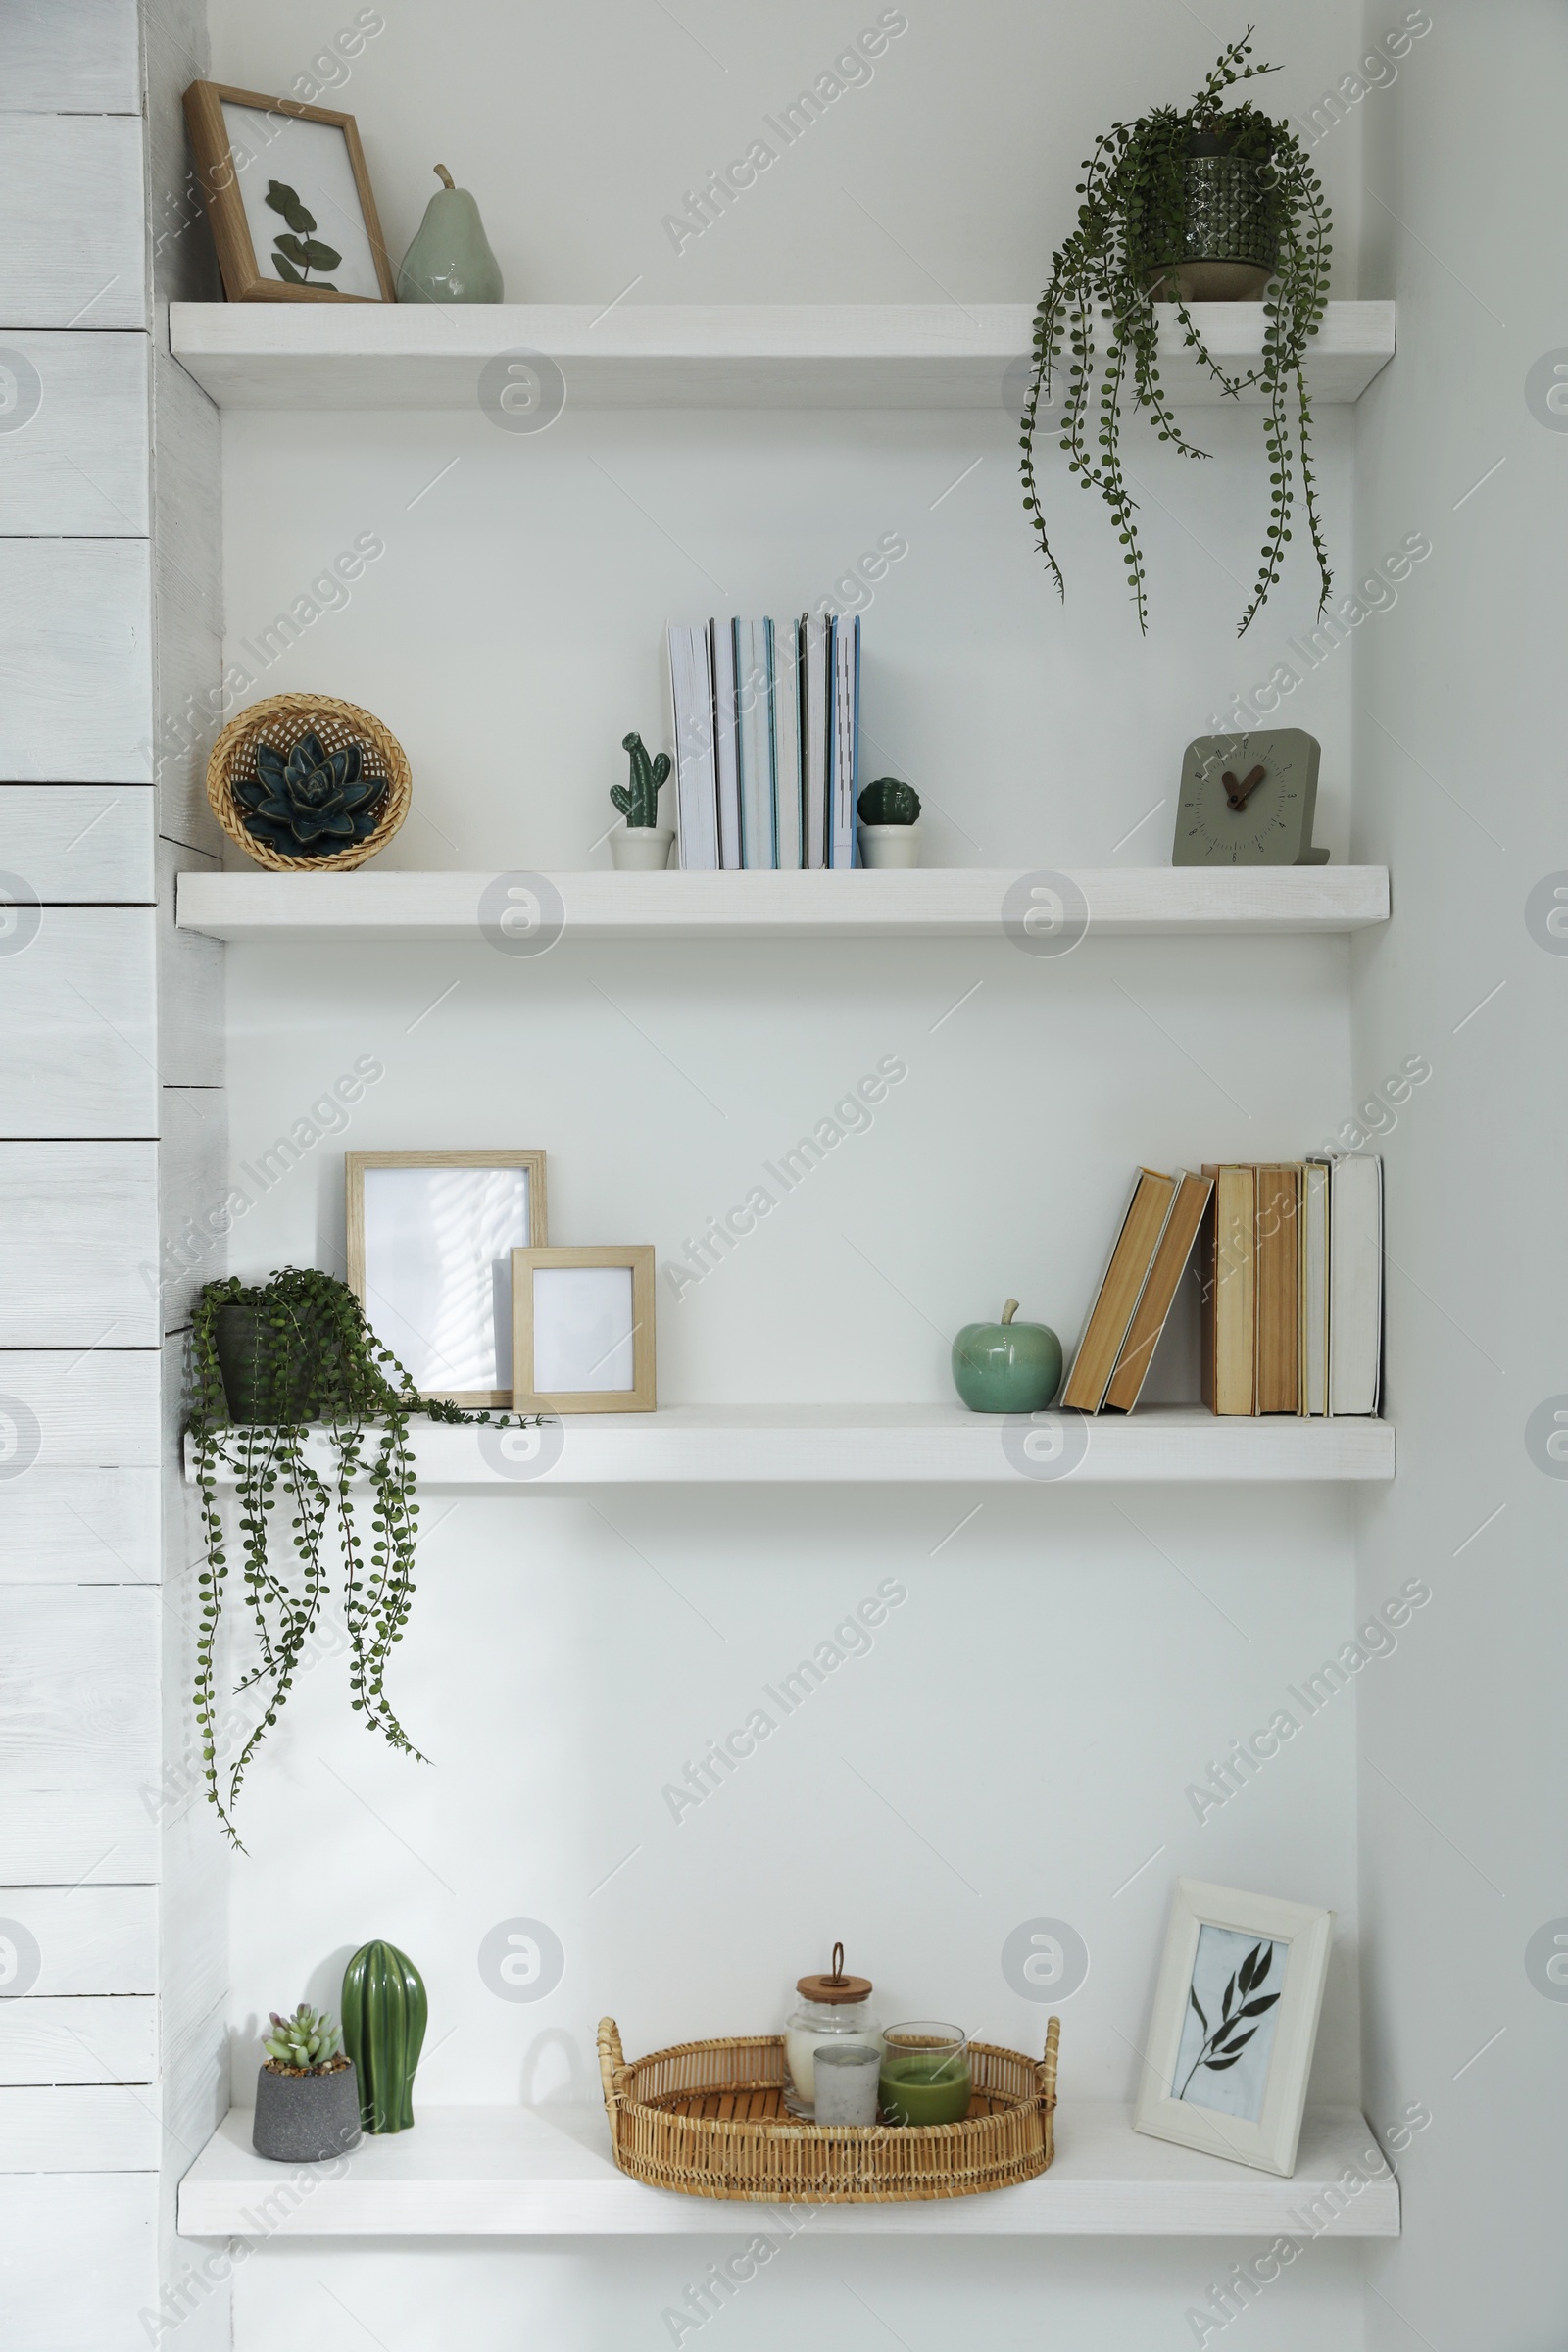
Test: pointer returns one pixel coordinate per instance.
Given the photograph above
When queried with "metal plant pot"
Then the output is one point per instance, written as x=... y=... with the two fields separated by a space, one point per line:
x=1232 y=239
x=304 y=2119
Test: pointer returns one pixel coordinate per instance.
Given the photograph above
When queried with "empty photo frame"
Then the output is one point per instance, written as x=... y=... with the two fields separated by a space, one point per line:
x=1236 y=2011
x=582 y=1330
x=431 y=1236
x=288 y=197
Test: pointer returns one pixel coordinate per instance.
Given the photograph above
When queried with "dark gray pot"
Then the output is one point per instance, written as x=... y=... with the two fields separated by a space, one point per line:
x=304 y=2119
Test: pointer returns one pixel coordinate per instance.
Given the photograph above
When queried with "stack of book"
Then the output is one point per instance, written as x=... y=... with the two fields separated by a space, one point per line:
x=1289 y=1258
x=768 y=724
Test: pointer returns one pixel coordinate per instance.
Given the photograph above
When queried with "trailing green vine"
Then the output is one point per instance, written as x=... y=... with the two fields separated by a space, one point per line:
x=313 y=1359
x=1130 y=237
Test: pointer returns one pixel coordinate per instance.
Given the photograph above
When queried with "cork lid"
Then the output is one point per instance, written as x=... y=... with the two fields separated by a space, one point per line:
x=837 y=1986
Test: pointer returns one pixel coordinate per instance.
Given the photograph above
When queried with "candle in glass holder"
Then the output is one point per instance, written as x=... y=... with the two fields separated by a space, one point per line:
x=846 y=2076
x=925 y=2074
x=832 y=2008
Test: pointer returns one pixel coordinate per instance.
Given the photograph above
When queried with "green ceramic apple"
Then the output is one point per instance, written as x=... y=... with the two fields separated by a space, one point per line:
x=449 y=260
x=1007 y=1367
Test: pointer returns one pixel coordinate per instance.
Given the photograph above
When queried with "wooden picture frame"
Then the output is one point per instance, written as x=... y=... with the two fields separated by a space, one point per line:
x=247 y=276
x=529 y=1341
x=476 y=1268
x=1214 y=1934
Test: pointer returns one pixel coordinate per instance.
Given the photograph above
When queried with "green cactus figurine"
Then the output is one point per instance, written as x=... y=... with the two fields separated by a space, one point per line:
x=638 y=802
x=384 y=2013
x=887 y=802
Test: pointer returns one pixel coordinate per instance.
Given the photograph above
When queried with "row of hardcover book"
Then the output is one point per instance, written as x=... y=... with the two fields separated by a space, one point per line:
x=766 y=725
x=1290 y=1264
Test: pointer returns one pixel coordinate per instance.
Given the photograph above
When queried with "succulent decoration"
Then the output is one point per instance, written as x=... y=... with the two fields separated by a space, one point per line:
x=1152 y=192
x=305 y=2043
x=887 y=802
x=264 y=1363
x=1224 y=2045
x=638 y=801
x=310 y=802
x=297 y=254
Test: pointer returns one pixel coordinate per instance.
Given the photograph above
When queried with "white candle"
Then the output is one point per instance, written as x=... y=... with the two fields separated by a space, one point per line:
x=847 y=2078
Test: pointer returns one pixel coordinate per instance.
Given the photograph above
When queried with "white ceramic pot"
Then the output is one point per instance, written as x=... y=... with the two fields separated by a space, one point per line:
x=640 y=849
x=890 y=844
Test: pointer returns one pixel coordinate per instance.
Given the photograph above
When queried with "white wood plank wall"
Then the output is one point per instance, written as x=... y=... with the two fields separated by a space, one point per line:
x=111 y=1122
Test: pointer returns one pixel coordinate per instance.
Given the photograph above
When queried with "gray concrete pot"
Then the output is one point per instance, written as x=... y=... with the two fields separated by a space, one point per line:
x=304 y=2119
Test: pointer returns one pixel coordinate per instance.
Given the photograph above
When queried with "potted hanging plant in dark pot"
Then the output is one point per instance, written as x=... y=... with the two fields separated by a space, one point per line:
x=294 y=1395
x=1203 y=202
x=308 y=2092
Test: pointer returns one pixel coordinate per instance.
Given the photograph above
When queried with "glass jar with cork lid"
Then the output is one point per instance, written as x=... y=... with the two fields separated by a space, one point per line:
x=835 y=2008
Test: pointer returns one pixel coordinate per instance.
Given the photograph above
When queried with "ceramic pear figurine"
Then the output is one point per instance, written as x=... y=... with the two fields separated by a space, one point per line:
x=449 y=260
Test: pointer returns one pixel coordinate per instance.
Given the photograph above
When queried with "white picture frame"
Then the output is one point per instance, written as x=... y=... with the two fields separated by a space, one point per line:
x=1226 y=1953
x=431 y=1236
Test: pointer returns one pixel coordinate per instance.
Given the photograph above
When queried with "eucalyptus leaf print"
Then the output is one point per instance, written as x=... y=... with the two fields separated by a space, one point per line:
x=299 y=251
x=1235 y=1992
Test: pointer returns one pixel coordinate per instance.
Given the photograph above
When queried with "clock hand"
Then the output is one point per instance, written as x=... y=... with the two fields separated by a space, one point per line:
x=1237 y=793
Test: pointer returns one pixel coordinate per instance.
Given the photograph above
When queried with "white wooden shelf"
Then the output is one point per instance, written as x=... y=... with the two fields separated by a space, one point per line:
x=517 y=2172
x=274 y=354
x=902 y=1445
x=931 y=902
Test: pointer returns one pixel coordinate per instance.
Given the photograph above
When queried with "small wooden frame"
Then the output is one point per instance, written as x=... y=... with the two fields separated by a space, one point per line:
x=1243 y=1974
x=402 y=1298
x=252 y=278
x=539 y=1345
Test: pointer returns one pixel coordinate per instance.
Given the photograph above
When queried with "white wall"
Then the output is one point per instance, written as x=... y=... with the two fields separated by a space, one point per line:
x=1067 y=1663
x=1459 y=788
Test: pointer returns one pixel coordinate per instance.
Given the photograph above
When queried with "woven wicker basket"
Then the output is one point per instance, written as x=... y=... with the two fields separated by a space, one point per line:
x=708 y=2119
x=281 y=720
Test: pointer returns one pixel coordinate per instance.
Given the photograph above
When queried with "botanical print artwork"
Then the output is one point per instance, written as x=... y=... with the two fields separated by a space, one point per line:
x=302 y=204
x=1232 y=2010
x=298 y=250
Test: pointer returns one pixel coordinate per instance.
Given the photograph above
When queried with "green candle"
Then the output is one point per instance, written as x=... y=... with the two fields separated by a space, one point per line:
x=925 y=2087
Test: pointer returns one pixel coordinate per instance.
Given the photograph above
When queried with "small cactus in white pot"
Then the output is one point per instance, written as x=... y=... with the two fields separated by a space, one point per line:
x=308 y=2092
x=890 y=823
x=642 y=845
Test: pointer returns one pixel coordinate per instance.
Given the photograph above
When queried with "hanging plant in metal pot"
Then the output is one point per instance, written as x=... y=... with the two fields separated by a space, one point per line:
x=1196 y=204
x=266 y=1362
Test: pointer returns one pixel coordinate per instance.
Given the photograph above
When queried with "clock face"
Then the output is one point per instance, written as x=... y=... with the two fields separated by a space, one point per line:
x=1248 y=799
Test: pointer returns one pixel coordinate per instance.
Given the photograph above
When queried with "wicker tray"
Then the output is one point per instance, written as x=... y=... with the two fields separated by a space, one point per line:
x=708 y=2119
x=282 y=719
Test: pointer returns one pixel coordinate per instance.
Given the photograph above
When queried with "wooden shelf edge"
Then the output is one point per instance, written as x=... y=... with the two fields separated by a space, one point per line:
x=934 y=902
x=497 y=2171
x=806 y=355
x=885 y=1445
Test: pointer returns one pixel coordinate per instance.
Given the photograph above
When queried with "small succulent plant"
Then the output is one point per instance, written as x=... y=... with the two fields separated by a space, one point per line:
x=309 y=802
x=887 y=802
x=638 y=801
x=307 y=2043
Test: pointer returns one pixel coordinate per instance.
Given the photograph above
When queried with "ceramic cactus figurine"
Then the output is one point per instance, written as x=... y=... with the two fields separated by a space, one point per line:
x=384 y=2012
x=638 y=801
x=887 y=802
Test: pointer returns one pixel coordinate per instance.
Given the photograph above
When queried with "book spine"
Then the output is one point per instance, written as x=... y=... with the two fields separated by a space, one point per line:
x=852 y=829
x=768 y=740
x=722 y=657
